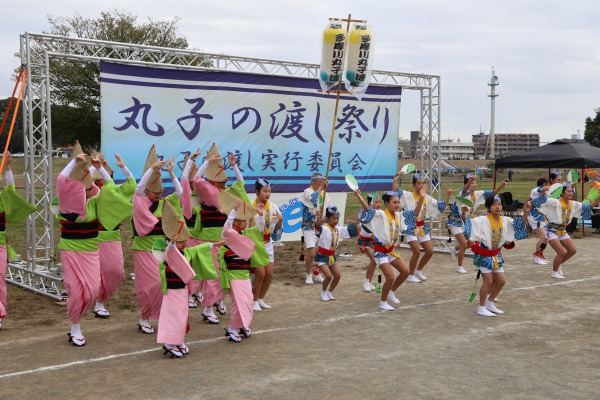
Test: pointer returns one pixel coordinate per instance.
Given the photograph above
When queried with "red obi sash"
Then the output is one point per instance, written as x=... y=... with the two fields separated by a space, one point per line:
x=326 y=252
x=366 y=238
x=485 y=252
x=383 y=249
x=421 y=223
x=266 y=237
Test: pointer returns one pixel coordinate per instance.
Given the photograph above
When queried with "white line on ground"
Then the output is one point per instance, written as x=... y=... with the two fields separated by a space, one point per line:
x=324 y=322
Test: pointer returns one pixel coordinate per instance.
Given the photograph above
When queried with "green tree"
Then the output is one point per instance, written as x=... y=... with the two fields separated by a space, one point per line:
x=17 y=140
x=75 y=85
x=592 y=129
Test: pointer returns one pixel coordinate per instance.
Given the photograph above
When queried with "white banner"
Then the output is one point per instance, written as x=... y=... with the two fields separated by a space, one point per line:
x=279 y=128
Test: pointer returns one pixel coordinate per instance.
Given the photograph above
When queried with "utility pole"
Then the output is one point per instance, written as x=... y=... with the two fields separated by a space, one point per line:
x=493 y=83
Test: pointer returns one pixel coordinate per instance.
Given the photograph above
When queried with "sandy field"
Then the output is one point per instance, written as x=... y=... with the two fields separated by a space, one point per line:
x=433 y=346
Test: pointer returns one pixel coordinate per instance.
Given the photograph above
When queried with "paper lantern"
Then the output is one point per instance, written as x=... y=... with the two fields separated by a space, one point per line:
x=332 y=55
x=359 y=59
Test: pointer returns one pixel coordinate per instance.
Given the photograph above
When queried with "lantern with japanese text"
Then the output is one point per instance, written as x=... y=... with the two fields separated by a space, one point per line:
x=332 y=55
x=359 y=56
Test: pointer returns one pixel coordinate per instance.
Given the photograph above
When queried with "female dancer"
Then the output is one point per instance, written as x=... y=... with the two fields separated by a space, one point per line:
x=181 y=266
x=537 y=222
x=212 y=220
x=80 y=205
x=417 y=232
x=272 y=231
x=235 y=262
x=490 y=233
x=328 y=238
x=112 y=264
x=191 y=213
x=13 y=208
x=365 y=243
x=458 y=224
x=147 y=228
x=559 y=214
x=386 y=227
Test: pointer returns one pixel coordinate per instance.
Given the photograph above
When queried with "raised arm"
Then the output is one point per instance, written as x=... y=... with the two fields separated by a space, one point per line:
x=448 y=194
x=155 y=168
x=8 y=175
x=97 y=163
x=499 y=188
x=362 y=201
x=176 y=183
x=233 y=162
x=422 y=195
x=71 y=165
x=467 y=186
x=526 y=209
x=121 y=164
x=395 y=182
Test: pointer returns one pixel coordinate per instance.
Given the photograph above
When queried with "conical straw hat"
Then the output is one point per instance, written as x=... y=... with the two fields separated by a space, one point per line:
x=81 y=172
x=173 y=224
x=215 y=172
x=227 y=203
x=155 y=182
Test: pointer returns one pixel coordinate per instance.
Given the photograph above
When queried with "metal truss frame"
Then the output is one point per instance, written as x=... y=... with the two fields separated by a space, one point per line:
x=40 y=272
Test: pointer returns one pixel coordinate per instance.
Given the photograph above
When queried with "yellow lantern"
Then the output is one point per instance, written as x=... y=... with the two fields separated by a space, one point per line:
x=332 y=55
x=358 y=65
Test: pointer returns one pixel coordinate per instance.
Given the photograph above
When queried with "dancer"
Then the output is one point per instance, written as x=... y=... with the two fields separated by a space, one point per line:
x=457 y=223
x=181 y=266
x=537 y=222
x=365 y=243
x=310 y=205
x=235 y=263
x=490 y=233
x=191 y=213
x=386 y=226
x=212 y=219
x=147 y=228
x=272 y=231
x=79 y=203
x=559 y=212
x=13 y=208
x=417 y=232
x=112 y=263
x=328 y=238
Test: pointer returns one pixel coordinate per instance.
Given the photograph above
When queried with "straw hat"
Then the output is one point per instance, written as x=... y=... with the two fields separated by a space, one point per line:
x=81 y=172
x=155 y=182
x=215 y=172
x=173 y=224
x=227 y=203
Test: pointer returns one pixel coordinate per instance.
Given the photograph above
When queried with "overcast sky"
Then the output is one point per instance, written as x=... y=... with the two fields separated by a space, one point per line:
x=546 y=53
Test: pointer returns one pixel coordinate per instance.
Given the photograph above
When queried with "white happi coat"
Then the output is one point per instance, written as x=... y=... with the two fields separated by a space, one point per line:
x=408 y=203
x=553 y=211
x=481 y=231
x=379 y=225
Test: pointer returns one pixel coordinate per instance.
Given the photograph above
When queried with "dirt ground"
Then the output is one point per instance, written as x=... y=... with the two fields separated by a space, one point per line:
x=546 y=345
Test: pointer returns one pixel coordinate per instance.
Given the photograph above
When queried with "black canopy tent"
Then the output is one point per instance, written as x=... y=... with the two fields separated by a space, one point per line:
x=558 y=154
